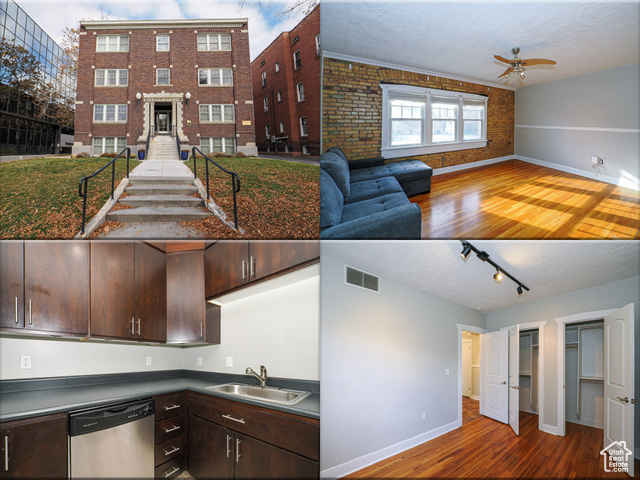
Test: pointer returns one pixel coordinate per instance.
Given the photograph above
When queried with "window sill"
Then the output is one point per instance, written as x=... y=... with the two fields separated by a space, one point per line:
x=300 y=101
x=112 y=51
x=218 y=123
x=163 y=85
x=409 y=151
x=215 y=50
x=110 y=86
x=120 y=122
x=215 y=86
x=304 y=136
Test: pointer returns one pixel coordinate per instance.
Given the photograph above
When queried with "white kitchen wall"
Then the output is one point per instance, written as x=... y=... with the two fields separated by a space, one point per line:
x=58 y=358
x=563 y=122
x=278 y=329
x=609 y=296
x=384 y=360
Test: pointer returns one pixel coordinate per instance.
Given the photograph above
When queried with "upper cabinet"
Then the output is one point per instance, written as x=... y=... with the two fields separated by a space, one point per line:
x=12 y=284
x=230 y=265
x=56 y=286
x=128 y=291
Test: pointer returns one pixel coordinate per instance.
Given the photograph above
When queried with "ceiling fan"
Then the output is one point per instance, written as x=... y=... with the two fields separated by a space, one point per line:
x=517 y=64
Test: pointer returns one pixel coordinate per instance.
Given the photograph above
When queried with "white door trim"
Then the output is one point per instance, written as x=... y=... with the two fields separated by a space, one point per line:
x=472 y=329
x=562 y=321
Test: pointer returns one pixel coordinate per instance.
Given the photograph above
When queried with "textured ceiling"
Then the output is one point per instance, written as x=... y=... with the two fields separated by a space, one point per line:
x=548 y=268
x=460 y=38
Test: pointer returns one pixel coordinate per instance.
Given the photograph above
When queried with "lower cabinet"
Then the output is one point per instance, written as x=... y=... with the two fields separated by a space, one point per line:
x=170 y=435
x=287 y=446
x=34 y=448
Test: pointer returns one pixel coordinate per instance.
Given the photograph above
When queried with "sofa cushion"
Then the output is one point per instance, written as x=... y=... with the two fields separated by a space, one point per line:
x=338 y=151
x=331 y=201
x=373 y=188
x=356 y=210
x=338 y=168
x=404 y=170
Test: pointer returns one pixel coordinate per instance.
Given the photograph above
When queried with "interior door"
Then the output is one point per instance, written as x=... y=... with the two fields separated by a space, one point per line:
x=494 y=368
x=514 y=378
x=466 y=367
x=619 y=380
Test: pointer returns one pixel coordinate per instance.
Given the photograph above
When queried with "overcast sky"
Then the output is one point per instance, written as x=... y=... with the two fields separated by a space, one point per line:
x=264 y=26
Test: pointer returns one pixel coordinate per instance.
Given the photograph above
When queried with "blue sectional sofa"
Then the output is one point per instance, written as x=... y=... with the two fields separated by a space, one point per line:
x=368 y=198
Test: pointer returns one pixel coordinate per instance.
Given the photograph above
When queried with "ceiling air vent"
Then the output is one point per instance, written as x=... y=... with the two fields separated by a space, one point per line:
x=361 y=279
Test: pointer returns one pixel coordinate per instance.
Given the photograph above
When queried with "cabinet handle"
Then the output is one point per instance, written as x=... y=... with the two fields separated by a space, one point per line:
x=6 y=453
x=253 y=266
x=229 y=417
x=228 y=447
x=16 y=309
x=30 y=323
x=238 y=455
x=133 y=326
x=138 y=327
x=175 y=449
x=172 y=407
x=173 y=428
x=171 y=472
x=244 y=268
x=201 y=331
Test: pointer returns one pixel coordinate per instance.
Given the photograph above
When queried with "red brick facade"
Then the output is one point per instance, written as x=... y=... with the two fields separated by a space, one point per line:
x=352 y=113
x=289 y=110
x=183 y=61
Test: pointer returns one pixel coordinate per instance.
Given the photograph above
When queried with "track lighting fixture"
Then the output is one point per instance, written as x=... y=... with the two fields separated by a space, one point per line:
x=467 y=248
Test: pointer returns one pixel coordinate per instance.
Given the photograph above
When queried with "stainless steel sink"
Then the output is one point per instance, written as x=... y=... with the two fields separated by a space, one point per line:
x=268 y=394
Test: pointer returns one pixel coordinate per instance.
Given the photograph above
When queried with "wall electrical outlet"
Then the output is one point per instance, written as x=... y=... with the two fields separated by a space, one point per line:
x=424 y=415
x=148 y=361
x=594 y=159
x=446 y=371
x=25 y=362
x=229 y=362
x=199 y=361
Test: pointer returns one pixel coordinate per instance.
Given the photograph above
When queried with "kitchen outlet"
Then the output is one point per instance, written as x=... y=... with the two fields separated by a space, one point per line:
x=446 y=372
x=148 y=361
x=199 y=361
x=25 y=362
x=229 y=361
x=424 y=415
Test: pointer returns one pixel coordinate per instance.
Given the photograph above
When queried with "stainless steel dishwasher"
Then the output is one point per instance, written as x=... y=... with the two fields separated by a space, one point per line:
x=113 y=441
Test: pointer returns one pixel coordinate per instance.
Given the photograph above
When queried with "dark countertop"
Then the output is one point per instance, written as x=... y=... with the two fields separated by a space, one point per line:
x=23 y=404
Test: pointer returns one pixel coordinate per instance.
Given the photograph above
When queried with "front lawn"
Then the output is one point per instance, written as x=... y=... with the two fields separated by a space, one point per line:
x=278 y=199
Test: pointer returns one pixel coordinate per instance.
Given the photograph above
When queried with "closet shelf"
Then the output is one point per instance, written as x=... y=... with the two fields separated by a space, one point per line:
x=523 y=374
x=591 y=379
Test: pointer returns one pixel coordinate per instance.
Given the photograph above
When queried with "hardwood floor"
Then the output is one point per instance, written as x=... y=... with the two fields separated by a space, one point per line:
x=470 y=409
x=516 y=199
x=486 y=448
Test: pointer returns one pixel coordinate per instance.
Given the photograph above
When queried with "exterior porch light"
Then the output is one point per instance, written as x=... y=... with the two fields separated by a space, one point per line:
x=188 y=97
x=138 y=96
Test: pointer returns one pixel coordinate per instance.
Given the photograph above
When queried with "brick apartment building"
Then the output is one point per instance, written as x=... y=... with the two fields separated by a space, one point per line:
x=286 y=89
x=190 y=77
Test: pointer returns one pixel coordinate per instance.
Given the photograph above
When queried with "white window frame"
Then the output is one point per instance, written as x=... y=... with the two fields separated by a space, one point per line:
x=224 y=108
x=297 y=52
x=318 y=44
x=423 y=95
x=277 y=67
x=223 y=144
x=303 y=127
x=281 y=127
x=106 y=76
x=211 y=39
x=118 y=110
x=158 y=49
x=158 y=70
x=119 y=143
x=264 y=78
x=299 y=92
x=118 y=43
x=266 y=104
x=279 y=96
x=210 y=74
x=267 y=131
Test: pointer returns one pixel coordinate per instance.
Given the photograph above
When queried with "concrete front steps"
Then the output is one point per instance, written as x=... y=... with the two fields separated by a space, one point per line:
x=162 y=147
x=159 y=200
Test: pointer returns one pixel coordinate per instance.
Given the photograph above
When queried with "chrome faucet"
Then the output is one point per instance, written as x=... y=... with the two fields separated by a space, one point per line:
x=262 y=377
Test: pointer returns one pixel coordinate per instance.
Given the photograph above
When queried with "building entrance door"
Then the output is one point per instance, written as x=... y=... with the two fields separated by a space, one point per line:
x=162 y=122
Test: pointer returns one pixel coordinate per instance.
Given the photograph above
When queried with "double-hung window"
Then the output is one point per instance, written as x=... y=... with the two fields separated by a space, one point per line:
x=304 y=132
x=277 y=67
x=264 y=79
x=418 y=121
x=300 y=88
x=266 y=104
x=217 y=113
x=162 y=43
x=109 y=113
x=163 y=76
x=112 y=78
x=215 y=76
x=112 y=43
x=267 y=131
x=214 y=144
x=297 y=60
x=214 y=42
x=108 y=145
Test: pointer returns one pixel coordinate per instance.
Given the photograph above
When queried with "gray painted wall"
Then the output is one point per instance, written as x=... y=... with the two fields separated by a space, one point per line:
x=382 y=363
x=609 y=296
x=609 y=99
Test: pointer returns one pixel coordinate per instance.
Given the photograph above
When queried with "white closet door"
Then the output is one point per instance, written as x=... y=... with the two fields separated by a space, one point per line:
x=466 y=367
x=619 y=380
x=494 y=368
x=514 y=378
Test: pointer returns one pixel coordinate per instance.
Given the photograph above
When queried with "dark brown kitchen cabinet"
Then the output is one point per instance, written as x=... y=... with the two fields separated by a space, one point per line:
x=128 y=291
x=230 y=265
x=56 y=277
x=170 y=435
x=210 y=449
x=34 y=448
x=12 y=284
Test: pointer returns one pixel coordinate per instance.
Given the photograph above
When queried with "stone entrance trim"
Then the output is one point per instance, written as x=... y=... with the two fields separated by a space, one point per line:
x=175 y=99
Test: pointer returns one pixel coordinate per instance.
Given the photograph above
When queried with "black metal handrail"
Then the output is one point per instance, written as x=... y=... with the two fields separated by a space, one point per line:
x=175 y=131
x=85 y=180
x=235 y=180
x=146 y=152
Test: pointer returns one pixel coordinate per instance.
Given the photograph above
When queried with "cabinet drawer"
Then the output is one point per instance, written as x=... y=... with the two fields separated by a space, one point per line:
x=170 y=405
x=171 y=448
x=169 y=428
x=290 y=432
x=171 y=469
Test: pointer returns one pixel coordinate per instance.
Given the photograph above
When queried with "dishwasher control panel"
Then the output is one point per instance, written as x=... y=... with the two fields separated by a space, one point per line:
x=101 y=418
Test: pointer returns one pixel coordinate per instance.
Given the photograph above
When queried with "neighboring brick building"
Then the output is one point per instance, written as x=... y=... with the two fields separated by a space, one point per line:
x=189 y=75
x=286 y=88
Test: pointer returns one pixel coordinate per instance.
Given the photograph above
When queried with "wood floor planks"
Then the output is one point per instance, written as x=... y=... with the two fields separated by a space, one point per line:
x=516 y=199
x=486 y=448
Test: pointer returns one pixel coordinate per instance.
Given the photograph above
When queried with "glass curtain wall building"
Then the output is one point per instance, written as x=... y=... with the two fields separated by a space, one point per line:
x=35 y=88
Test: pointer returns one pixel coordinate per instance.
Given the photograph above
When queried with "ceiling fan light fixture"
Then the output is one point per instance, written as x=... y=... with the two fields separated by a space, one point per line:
x=522 y=75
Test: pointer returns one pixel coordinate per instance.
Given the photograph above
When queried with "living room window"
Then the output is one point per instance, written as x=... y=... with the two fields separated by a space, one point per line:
x=109 y=113
x=418 y=121
x=217 y=113
x=215 y=76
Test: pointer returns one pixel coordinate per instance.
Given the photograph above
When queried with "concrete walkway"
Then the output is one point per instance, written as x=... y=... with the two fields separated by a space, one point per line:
x=162 y=168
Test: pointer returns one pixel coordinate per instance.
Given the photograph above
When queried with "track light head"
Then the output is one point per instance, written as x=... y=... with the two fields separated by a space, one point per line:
x=497 y=277
x=519 y=290
x=466 y=251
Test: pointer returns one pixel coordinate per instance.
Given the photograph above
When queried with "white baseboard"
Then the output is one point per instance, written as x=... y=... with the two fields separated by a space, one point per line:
x=369 y=459
x=474 y=397
x=552 y=429
x=578 y=171
x=465 y=166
